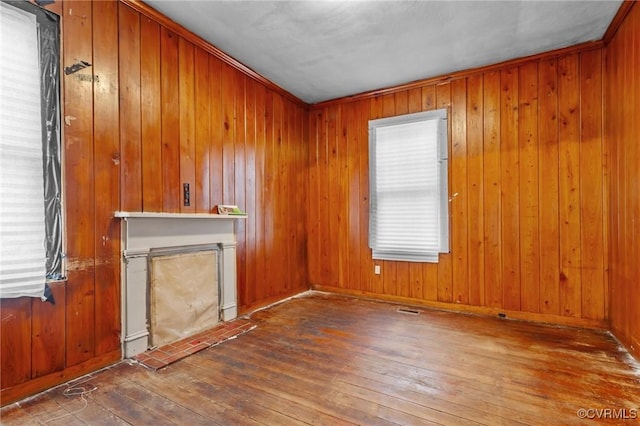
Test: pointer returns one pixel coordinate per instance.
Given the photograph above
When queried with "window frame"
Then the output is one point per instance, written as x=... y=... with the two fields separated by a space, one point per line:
x=442 y=149
x=49 y=54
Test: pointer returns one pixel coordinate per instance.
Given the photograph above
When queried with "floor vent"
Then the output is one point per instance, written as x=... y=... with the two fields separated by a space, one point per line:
x=408 y=311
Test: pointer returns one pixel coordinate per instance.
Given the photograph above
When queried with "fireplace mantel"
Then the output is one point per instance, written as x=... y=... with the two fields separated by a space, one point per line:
x=159 y=215
x=143 y=232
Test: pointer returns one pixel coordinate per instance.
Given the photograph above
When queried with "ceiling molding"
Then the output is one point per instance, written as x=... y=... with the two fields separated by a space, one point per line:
x=617 y=20
x=578 y=48
x=185 y=33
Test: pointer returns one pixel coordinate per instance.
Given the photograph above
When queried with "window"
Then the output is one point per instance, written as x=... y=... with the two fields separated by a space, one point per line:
x=408 y=187
x=30 y=184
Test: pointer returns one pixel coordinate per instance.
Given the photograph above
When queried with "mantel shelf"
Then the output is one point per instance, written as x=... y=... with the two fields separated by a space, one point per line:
x=152 y=215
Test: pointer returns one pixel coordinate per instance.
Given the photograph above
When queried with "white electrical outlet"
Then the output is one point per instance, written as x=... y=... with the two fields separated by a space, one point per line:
x=376 y=269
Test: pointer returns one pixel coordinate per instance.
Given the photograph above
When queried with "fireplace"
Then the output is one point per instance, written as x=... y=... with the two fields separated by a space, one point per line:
x=170 y=247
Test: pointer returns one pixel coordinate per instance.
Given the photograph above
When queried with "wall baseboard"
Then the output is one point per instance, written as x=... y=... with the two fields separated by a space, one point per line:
x=34 y=386
x=477 y=310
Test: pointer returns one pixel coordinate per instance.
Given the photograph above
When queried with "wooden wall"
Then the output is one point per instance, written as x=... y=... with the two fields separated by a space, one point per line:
x=527 y=187
x=157 y=108
x=622 y=109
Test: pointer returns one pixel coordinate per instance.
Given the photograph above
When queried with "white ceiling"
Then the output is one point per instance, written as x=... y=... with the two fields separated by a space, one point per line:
x=321 y=50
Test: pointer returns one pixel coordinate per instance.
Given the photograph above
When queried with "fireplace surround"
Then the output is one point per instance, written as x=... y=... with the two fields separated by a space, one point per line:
x=144 y=234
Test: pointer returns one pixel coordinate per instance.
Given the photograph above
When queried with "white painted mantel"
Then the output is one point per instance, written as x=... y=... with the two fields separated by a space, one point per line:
x=143 y=232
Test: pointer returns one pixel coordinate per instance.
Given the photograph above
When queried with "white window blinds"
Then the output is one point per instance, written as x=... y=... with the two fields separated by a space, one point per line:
x=22 y=220
x=408 y=194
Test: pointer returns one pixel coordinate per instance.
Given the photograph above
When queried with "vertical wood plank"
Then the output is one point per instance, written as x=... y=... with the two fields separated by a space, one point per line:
x=128 y=40
x=48 y=335
x=548 y=183
x=632 y=132
x=228 y=133
x=217 y=131
x=613 y=122
x=591 y=186
x=492 y=191
x=403 y=277
x=529 y=198
x=510 y=239
x=250 y=194
x=151 y=119
x=633 y=330
x=475 y=189
x=401 y=102
x=79 y=181
x=445 y=284
x=239 y=195
x=389 y=268
x=261 y=195
x=417 y=271
x=342 y=199
x=460 y=196
x=363 y=109
x=569 y=181
x=287 y=186
x=333 y=197
x=429 y=270
x=429 y=97
x=284 y=238
x=352 y=169
x=258 y=269
x=202 y=92
x=269 y=191
x=15 y=341
x=170 y=107
x=414 y=100
x=301 y=162
x=186 y=84
x=279 y=237
x=323 y=193
x=313 y=213
x=377 y=281
x=107 y=170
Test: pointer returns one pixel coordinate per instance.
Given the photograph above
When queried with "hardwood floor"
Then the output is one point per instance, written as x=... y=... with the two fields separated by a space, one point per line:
x=326 y=359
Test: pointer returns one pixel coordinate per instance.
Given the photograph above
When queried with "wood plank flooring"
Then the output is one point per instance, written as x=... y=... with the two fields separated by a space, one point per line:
x=331 y=360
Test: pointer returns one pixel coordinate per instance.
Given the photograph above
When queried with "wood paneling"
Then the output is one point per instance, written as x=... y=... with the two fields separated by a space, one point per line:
x=525 y=146
x=233 y=140
x=156 y=110
x=622 y=109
